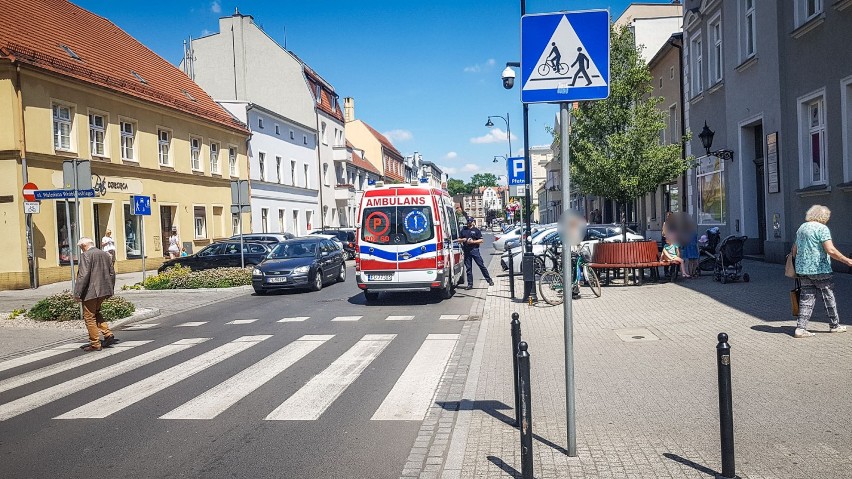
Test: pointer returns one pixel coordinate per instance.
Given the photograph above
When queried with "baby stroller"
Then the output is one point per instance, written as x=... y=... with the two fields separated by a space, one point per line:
x=729 y=260
x=707 y=245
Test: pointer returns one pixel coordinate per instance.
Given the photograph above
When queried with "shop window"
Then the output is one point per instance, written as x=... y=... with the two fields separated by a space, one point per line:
x=65 y=238
x=132 y=237
x=711 y=191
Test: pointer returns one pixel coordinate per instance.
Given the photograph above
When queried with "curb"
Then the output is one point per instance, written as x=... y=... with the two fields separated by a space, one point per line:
x=140 y=315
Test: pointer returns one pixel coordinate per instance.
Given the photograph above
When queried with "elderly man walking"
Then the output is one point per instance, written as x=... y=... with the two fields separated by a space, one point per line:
x=95 y=283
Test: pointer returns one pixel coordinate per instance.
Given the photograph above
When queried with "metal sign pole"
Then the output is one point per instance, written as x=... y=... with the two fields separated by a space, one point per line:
x=567 y=273
x=71 y=247
x=142 y=245
x=240 y=207
x=76 y=222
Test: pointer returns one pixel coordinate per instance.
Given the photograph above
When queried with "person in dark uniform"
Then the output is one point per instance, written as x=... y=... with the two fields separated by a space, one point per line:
x=471 y=238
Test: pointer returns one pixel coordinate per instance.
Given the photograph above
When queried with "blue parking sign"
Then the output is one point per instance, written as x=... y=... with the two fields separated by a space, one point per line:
x=517 y=170
x=141 y=205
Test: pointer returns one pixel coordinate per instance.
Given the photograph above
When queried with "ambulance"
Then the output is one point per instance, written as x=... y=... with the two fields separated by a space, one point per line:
x=406 y=241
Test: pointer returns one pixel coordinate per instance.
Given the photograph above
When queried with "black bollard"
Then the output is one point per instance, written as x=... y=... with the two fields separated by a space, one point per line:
x=726 y=408
x=516 y=340
x=512 y=282
x=526 y=412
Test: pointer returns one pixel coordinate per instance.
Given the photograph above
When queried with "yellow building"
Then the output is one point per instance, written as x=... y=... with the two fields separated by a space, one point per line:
x=75 y=86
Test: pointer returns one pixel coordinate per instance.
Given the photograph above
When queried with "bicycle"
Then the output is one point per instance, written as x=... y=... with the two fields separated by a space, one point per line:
x=545 y=68
x=550 y=284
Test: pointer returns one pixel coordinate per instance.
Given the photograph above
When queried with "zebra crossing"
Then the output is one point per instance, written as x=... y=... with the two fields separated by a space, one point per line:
x=408 y=400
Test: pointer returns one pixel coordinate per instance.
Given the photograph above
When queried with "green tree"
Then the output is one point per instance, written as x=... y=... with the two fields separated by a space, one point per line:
x=615 y=143
x=455 y=187
x=482 y=179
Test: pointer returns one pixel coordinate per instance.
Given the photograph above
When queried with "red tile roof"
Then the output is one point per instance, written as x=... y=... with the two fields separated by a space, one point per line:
x=33 y=32
x=384 y=141
x=329 y=103
x=364 y=164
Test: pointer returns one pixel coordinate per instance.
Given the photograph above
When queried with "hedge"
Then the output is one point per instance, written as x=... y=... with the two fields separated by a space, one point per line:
x=63 y=307
x=180 y=277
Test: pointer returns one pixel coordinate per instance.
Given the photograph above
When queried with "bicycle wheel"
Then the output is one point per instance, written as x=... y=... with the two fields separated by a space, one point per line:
x=550 y=288
x=544 y=69
x=592 y=280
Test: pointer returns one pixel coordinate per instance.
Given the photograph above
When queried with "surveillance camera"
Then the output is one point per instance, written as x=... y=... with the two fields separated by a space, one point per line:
x=508 y=78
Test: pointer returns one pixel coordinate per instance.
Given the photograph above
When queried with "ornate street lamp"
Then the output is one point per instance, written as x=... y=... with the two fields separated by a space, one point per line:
x=706 y=137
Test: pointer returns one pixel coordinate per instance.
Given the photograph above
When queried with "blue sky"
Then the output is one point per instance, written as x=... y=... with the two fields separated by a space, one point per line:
x=427 y=72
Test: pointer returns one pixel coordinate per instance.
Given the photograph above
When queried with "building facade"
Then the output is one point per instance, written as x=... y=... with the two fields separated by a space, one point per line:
x=145 y=128
x=770 y=81
x=354 y=176
x=377 y=149
x=245 y=69
x=332 y=134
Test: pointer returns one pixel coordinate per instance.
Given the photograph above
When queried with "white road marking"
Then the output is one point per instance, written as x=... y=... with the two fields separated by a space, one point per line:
x=309 y=402
x=294 y=320
x=347 y=318
x=45 y=396
x=190 y=324
x=242 y=321
x=139 y=327
x=114 y=402
x=452 y=317
x=399 y=318
x=84 y=358
x=216 y=400
x=414 y=391
x=36 y=356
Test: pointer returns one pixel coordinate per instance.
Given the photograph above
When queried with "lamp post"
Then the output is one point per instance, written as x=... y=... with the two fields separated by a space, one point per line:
x=490 y=124
x=706 y=137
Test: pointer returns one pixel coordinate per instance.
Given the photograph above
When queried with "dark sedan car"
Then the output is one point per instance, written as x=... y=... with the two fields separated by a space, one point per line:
x=300 y=263
x=225 y=254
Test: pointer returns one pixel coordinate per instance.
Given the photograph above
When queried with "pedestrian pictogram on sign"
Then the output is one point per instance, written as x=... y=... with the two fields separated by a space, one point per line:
x=29 y=191
x=565 y=56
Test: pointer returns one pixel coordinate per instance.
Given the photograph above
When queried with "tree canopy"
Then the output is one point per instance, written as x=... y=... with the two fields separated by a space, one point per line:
x=615 y=143
x=456 y=186
x=483 y=179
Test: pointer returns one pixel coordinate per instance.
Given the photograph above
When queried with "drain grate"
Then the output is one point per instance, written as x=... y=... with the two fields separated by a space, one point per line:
x=636 y=335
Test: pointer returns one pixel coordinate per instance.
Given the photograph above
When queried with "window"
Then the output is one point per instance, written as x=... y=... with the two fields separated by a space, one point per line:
x=264 y=220
x=261 y=163
x=846 y=105
x=62 y=118
x=128 y=140
x=813 y=155
x=806 y=10
x=307 y=177
x=260 y=123
x=749 y=39
x=132 y=240
x=200 y=214
x=164 y=140
x=716 y=59
x=711 y=191
x=277 y=129
x=278 y=169
x=292 y=172
x=64 y=239
x=195 y=153
x=235 y=224
x=97 y=134
x=696 y=65
x=292 y=135
x=232 y=161
x=214 y=158
x=319 y=94
x=674 y=132
x=661 y=82
x=671 y=73
x=297 y=230
x=324 y=134
x=325 y=175
x=305 y=139
x=71 y=53
x=308 y=216
x=282 y=226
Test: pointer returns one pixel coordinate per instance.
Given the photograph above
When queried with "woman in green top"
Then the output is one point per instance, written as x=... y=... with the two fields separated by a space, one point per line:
x=813 y=251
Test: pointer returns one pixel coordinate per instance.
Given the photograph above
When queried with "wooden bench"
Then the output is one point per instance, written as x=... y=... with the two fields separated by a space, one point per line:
x=636 y=256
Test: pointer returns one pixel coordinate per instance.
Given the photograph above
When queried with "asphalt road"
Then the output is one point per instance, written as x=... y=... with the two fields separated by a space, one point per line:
x=313 y=419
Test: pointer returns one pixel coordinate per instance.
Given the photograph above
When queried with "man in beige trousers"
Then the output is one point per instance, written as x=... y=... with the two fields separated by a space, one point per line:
x=95 y=283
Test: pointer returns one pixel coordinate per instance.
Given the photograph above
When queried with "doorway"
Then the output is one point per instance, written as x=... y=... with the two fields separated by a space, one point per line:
x=760 y=188
x=102 y=216
x=167 y=221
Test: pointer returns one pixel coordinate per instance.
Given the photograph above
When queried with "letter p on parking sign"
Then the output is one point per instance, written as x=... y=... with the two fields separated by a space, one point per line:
x=517 y=173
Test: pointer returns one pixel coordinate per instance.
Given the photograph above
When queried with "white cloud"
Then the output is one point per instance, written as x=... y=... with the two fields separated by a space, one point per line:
x=448 y=169
x=470 y=168
x=495 y=135
x=478 y=67
x=451 y=155
x=216 y=7
x=398 y=135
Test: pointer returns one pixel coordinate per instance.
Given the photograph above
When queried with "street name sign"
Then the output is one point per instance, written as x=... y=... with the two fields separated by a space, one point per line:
x=565 y=56
x=141 y=205
x=516 y=171
x=62 y=194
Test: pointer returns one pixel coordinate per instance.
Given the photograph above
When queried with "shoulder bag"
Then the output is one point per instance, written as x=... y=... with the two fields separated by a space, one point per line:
x=790 y=267
x=794 y=299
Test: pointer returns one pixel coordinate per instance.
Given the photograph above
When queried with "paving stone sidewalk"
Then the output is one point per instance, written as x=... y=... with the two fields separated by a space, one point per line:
x=649 y=408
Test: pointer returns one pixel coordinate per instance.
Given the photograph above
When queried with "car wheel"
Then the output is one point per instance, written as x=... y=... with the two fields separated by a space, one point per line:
x=371 y=296
x=260 y=291
x=317 y=281
x=341 y=277
x=446 y=290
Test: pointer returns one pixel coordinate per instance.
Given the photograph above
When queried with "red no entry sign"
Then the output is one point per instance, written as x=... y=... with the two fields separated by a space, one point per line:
x=29 y=191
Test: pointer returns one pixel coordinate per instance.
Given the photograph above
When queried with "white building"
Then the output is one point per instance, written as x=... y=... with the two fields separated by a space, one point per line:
x=354 y=176
x=492 y=198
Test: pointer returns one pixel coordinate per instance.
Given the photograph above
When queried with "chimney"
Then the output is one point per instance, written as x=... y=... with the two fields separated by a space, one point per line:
x=348 y=109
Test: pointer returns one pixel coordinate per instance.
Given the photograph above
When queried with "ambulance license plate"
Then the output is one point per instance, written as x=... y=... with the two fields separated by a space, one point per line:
x=380 y=277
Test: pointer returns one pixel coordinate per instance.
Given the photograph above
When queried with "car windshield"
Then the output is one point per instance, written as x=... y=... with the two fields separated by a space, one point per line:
x=297 y=249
